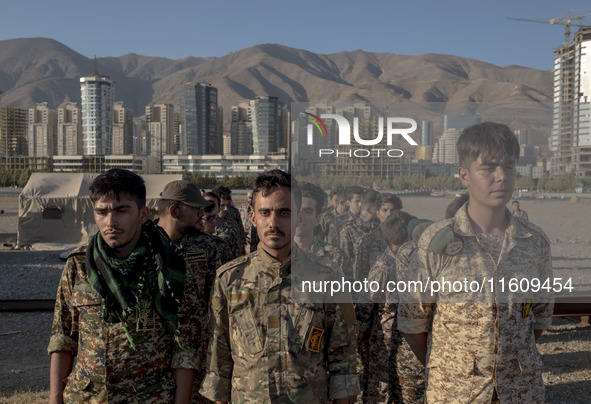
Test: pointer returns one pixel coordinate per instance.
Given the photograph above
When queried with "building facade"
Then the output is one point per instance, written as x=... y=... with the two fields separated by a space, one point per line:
x=200 y=131
x=69 y=130
x=97 y=95
x=122 y=142
x=13 y=131
x=42 y=131
x=570 y=141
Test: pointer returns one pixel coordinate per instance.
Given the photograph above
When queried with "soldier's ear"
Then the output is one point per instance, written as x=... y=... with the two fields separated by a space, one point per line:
x=144 y=214
x=252 y=220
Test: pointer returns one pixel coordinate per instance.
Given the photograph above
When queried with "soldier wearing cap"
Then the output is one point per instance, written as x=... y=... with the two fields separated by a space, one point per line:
x=268 y=345
x=479 y=344
x=180 y=209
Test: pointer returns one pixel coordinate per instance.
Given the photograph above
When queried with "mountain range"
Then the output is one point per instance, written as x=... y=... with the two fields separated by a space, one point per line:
x=34 y=70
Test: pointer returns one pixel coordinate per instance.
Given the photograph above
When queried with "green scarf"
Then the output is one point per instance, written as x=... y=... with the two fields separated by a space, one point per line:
x=155 y=270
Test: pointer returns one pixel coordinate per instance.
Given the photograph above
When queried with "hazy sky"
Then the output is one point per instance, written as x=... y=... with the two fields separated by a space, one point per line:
x=179 y=28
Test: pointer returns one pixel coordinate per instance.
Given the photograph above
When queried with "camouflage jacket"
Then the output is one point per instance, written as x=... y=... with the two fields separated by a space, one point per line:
x=335 y=254
x=107 y=368
x=200 y=250
x=245 y=210
x=370 y=248
x=480 y=340
x=339 y=223
x=228 y=231
x=327 y=216
x=234 y=215
x=266 y=347
x=223 y=248
x=522 y=214
x=351 y=236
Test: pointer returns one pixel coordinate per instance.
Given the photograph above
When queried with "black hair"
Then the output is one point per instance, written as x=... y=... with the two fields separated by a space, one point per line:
x=115 y=181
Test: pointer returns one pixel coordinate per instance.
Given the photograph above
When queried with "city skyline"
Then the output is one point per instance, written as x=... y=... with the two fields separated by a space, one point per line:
x=213 y=29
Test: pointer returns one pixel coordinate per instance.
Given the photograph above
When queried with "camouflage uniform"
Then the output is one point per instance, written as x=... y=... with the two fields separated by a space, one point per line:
x=327 y=217
x=268 y=348
x=107 y=368
x=200 y=250
x=394 y=374
x=522 y=214
x=483 y=340
x=245 y=210
x=227 y=231
x=370 y=248
x=223 y=248
x=336 y=255
x=339 y=223
x=351 y=236
x=234 y=215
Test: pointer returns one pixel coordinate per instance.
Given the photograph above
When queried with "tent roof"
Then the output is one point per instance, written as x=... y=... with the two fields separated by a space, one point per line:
x=70 y=185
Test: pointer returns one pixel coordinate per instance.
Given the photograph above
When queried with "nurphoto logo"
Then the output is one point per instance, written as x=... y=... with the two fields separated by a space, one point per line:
x=344 y=135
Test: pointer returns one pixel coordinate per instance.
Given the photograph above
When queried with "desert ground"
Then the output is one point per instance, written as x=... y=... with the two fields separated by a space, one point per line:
x=565 y=348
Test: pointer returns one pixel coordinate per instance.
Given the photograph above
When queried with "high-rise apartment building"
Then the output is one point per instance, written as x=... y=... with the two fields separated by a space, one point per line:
x=267 y=136
x=69 y=130
x=122 y=142
x=200 y=131
x=445 y=150
x=160 y=124
x=97 y=94
x=241 y=130
x=41 y=131
x=13 y=131
x=570 y=141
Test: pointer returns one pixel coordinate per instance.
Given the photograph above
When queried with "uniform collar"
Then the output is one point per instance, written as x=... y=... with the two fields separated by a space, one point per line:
x=463 y=227
x=281 y=268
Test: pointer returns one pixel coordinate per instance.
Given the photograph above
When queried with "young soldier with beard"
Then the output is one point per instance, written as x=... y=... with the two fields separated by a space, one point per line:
x=180 y=209
x=121 y=308
x=267 y=345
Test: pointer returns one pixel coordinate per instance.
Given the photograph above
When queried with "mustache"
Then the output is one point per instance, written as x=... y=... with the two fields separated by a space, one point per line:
x=277 y=232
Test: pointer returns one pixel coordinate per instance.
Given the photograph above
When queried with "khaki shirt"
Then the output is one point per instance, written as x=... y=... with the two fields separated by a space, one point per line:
x=265 y=347
x=481 y=340
x=107 y=368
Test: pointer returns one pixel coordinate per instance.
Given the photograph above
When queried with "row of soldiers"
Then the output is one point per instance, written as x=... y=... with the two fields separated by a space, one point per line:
x=152 y=314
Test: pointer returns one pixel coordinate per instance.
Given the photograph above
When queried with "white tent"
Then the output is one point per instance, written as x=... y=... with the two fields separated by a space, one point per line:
x=55 y=211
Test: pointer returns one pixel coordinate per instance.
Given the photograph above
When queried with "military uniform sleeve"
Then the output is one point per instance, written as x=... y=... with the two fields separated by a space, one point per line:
x=219 y=365
x=416 y=304
x=186 y=354
x=341 y=352
x=64 y=332
x=543 y=309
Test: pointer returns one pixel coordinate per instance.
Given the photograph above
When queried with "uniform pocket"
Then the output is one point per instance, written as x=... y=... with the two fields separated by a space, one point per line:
x=308 y=332
x=244 y=333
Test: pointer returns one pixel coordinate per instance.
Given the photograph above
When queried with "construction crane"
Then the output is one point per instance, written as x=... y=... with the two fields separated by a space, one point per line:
x=563 y=21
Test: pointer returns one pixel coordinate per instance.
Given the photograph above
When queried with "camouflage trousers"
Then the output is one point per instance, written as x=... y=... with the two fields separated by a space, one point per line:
x=393 y=373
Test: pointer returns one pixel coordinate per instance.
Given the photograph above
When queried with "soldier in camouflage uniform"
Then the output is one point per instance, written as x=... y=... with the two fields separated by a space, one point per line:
x=353 y=196
x=313 y=197
x=354 y=230
x=372 y=245
x=225 y=228
x=121 y=307
x=394 y=373
x=518 y=212
x=245 y=210
x=328 y=214
x=228 y=213
x=268 y=346
x=481 y=346
x=180 y=209
x=208 y=223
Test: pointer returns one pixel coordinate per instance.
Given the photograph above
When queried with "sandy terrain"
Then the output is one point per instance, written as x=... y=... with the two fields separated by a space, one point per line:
x=566 y=348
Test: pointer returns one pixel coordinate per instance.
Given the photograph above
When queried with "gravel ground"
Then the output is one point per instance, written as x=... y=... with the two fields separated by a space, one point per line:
x=24 y=363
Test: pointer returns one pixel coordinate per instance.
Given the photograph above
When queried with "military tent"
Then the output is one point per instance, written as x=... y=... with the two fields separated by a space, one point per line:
x=55 y=211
